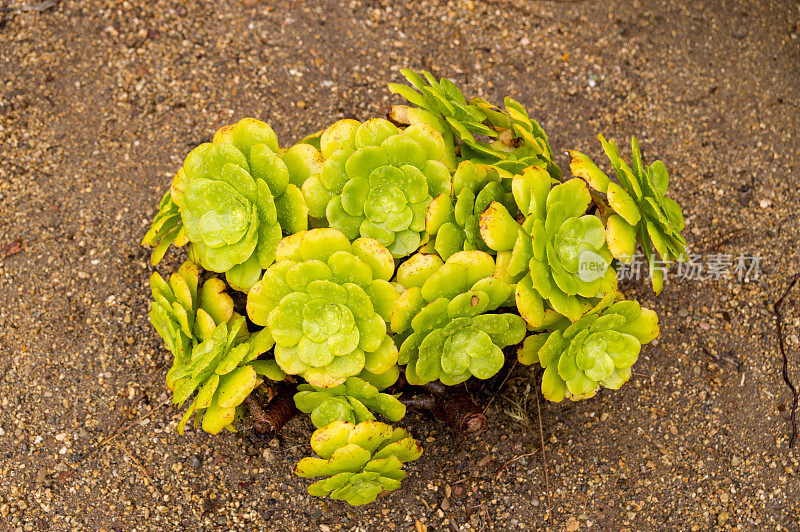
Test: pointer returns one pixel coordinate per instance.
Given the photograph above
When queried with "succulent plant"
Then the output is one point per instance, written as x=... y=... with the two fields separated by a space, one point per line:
x=446 y=103
x=521 y=142
x=184 y=313
x=354 y=401
x=425 y=244
x=166 y=229
x=558 y=255
x=377 y=181
x=640 y=210
x=404 y=115
x=326 y=302
x=302 y=161
x=223 y=371
x=235 y=197
x=359 y=461
x=381 y=380
x=444 y=311
x=516 y=140
x=452 y=222
x=597 y=350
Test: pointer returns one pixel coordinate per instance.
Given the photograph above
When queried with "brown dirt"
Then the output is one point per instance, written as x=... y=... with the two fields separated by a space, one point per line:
x=100 y=101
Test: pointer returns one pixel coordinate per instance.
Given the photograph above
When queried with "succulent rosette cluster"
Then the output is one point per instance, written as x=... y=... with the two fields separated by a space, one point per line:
x=597 y=350
x=404 y=115
x=445 y=314
x=236 y=200
x=521 y=141
x=353 y=401
x=377 y=181
x=444 y=107
x=640 y=211
x=326 y=302
x=452 y=220
x=359 y=462
x=516 y=141
x=379 y=263
x=558 y=256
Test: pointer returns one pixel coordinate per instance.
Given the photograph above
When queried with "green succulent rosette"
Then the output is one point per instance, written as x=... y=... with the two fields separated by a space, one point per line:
x=185 y=313
x=443 y=106
x=353 y=401
x=444 y=318
x=302 y=160
x=597 y=350
x=377 y=181
x=236 y=200
x=404 y=115
x=640 y=211
x=381 y=380
x=223 y=370
x=521 y=142
x=516 y=140
x=166 y=229
x=452 y=221
x=558 y=257
x=326 y=302
x=359 y=462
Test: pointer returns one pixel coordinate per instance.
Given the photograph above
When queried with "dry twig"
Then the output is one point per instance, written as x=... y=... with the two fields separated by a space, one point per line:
x=116 y=430
x=114 y=435
x=500 y=471
x=501 y=386
x=141 y=469
x=785 y=365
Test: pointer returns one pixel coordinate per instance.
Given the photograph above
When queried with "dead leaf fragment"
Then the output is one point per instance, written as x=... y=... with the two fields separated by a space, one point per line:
x=12 y=248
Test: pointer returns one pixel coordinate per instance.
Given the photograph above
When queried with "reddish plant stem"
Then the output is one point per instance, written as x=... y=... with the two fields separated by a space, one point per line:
x=455 y=407
x=268 y=422
x=458 y=410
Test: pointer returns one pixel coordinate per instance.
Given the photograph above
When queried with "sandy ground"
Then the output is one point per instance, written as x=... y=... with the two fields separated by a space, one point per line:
x=100 y=101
